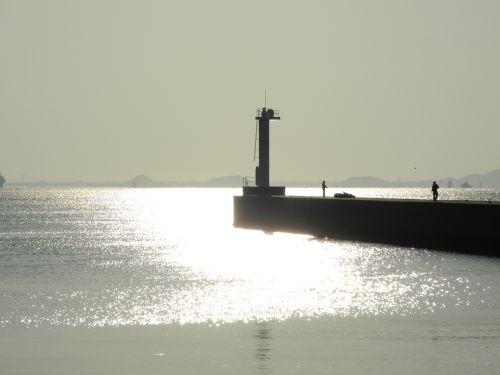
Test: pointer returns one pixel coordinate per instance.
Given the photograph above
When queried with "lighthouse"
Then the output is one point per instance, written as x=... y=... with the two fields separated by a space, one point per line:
x=264 y=117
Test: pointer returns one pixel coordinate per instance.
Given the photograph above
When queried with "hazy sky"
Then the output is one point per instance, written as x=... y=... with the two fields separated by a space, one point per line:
x=103 y=90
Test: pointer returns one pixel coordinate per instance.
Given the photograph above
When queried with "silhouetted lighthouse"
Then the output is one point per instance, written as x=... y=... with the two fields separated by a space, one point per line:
x=264 y=116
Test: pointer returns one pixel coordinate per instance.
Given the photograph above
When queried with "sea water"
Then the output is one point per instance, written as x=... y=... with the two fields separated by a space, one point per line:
x=124 y=280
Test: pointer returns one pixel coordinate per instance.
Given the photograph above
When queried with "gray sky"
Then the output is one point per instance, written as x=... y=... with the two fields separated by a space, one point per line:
x=103 y=90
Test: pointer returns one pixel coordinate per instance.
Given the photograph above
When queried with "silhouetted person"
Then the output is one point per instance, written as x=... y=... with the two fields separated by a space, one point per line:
x=434 y=189
x=323 y=186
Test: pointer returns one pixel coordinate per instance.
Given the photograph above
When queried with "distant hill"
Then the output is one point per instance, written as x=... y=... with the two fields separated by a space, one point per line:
x=226 y=181
x=486 y=180
x=144 y=181
x=363 y=182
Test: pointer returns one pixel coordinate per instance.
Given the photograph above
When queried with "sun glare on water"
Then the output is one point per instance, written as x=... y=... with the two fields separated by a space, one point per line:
x=230 y=274
x=161 y=256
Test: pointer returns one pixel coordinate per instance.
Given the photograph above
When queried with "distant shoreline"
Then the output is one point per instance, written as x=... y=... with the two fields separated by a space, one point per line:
x=490 y=180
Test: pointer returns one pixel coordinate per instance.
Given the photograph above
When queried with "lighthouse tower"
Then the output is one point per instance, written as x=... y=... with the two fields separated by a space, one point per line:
x=264 y=116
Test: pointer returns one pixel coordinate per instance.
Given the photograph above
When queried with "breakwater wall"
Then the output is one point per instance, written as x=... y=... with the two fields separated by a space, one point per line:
x=468 y=226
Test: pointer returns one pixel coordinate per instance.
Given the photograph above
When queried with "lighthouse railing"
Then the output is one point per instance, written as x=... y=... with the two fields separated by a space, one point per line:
x=248 y=181
x=269 y=112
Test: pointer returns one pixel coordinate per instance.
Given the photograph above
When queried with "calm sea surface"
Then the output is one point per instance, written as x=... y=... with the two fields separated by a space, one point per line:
x=104 y=280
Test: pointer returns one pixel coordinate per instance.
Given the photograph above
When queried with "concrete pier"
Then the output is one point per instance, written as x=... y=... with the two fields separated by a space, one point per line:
x=461 y=226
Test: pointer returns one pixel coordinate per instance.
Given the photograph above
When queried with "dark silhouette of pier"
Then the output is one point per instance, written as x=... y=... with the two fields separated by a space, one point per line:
x=461 y=226
x=469 y=227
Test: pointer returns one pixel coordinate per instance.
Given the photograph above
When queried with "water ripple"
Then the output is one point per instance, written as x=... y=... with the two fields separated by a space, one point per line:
x=99 y=257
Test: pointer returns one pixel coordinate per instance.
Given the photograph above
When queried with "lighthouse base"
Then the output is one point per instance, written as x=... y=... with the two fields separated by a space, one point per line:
x=264 y=190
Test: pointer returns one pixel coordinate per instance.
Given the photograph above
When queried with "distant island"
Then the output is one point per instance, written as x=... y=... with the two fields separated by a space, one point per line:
x=226 y=181
x=486 y=180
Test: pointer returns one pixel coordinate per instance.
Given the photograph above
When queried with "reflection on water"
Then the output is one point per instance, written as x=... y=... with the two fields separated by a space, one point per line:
x=97 y=257
x=263 y=337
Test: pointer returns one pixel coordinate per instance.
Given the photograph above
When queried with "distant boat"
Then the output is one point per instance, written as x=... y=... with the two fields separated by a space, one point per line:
x=466 y=185
x=2 y=180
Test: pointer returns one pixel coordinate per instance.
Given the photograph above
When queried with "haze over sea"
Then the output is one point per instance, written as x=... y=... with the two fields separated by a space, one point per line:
x=123 y=280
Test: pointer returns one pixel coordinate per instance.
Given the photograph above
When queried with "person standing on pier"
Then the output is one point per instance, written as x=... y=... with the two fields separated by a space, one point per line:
x=434 y=189
x=323 y=186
